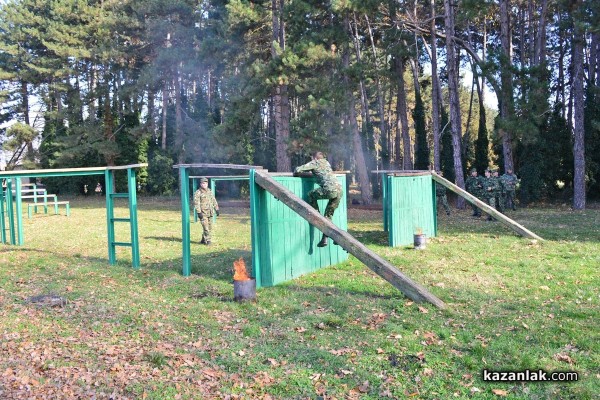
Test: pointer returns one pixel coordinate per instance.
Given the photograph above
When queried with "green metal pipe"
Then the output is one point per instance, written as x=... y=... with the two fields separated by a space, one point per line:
x=213 y=188
x=254 y=209
x=2 y=216
x=11 y=213
x=133 y=223
x=19 y=211
x=184 y=189
x=110 y=213
x=194 y=188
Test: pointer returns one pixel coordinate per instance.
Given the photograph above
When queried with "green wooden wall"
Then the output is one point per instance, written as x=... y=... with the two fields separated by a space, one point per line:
x=284 y=245
x=409 y=206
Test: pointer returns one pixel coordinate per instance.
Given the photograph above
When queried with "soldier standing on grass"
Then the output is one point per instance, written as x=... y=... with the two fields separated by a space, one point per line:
x=205 y=204
x=440 y=194
x=500 y=192
x=474 y=186
x=329 y=188
x=510 y=181
x=490 y=187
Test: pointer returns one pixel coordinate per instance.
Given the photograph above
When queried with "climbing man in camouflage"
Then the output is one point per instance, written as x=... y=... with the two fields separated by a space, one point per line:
x=329 y=188
x=473 y=185
x=500 y=192
x=205 y=204
x=510 y=181
x=490 y=187
x=440 y=194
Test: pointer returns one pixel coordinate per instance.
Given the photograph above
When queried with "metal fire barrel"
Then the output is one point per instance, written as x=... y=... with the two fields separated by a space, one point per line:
x=420 y=242
x=244 y=290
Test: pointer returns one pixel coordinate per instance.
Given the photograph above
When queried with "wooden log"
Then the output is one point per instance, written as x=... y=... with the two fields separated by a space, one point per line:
x=515 y=226
x=381 y=267
x=223 y=166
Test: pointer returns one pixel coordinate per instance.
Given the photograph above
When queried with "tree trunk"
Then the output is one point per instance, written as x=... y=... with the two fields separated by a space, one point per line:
x=579 y=195
x=108 y=122
x=359 y=155
x=435 y=94
x=595 y=59
x=382 y=137
x=26 y=119
x=179 y=134
x=281 y=105
x=402 y=114
x=165 y=103
x=506 y=103
x=151 y=121
x=92 y=91
x=454 y=99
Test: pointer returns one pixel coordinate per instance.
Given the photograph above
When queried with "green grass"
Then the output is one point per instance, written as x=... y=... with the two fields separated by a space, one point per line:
x=342 y=332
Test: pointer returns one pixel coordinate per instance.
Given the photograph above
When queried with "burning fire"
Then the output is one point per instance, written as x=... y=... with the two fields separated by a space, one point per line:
x=239 y=268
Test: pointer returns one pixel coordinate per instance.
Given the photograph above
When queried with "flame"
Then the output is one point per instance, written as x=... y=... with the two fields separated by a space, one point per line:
x=239 y=268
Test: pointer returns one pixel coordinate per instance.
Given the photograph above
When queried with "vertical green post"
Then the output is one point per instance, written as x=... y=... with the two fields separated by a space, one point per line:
x=384 y=202
x=133 y=223
x=254 y=209
x=10 y=211
x=19 y=212
x=213 y=186
x=2 y=223
x=194 y=188
x=434 y=200
x=184 y=188
x=388 y=183
x=110 y=214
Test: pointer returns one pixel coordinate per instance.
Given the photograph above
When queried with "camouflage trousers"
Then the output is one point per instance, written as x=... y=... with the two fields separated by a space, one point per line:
x=334 y=200
x=491 y=201
x=509 y=199
x=500 y=202
x=444 y=200
x=206 y=222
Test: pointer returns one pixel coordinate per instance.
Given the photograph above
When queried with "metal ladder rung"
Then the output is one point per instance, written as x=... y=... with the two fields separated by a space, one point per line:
x=121 y=244
x=119 y=195
x=120 y=219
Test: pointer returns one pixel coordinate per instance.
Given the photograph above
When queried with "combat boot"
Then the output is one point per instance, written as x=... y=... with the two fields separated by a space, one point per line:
x=323 y=241
x=203 y=241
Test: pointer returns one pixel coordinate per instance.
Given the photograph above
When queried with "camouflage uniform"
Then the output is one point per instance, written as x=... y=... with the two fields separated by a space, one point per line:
x=490 y=187
x=440 y=194
x=510 y=181
x=473 y=185
x=500 y=192
x=329 y=188
x=205 y=205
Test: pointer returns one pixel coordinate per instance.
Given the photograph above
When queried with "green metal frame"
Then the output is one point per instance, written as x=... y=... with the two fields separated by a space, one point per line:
x=108 y=172
x=184 y=189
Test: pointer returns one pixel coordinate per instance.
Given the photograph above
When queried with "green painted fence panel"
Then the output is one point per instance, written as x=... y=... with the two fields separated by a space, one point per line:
x=410 y=202
x=284 y=245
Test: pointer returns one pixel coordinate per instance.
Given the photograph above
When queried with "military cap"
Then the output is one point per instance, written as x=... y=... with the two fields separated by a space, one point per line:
x=203 y=179
x=473 y=170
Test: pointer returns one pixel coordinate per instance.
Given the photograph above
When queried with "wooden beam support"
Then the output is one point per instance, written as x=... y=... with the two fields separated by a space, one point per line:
x=223 y=166
x=515 y=226
x=381 y=267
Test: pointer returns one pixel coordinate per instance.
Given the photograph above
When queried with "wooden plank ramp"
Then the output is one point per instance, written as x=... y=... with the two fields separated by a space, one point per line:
x=515 y=226
x=380 y=266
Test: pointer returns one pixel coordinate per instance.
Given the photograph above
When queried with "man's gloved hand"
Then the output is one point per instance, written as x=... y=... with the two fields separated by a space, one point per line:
x=217 y=212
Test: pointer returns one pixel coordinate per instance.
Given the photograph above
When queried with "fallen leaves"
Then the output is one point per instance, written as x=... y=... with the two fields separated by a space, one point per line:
x=500 y=392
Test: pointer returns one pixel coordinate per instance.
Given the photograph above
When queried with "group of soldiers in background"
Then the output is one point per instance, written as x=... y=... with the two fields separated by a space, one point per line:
x=497 y=191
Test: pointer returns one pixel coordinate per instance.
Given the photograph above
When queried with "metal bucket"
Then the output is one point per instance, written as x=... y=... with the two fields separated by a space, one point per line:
x=420 y=241
x=244 y=290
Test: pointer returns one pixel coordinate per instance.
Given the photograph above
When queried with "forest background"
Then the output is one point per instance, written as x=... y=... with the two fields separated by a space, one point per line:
x=375 y=84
